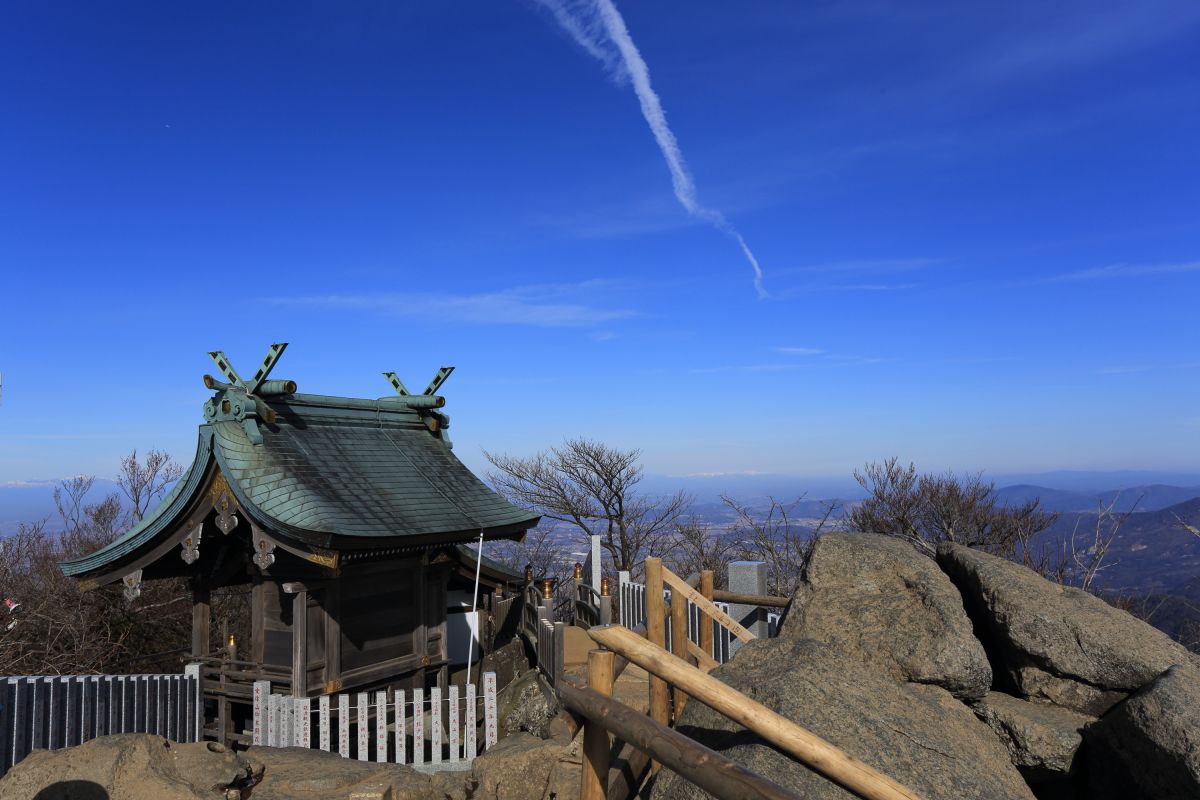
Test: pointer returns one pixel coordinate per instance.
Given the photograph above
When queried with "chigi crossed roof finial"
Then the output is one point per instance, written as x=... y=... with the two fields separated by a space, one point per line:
x=433 y=386
x=240 y=399
x=259 y=383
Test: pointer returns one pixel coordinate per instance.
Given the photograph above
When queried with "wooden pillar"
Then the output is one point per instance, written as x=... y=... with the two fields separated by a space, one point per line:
x=679 y=642
x=656 y=633
x=706 y=624
x=201 y=619
x=596 y=746
x=300 y=644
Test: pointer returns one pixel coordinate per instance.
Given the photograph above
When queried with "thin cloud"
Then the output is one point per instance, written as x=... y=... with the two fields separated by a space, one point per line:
x=599 y=29
x=536 y=306
x=799 y=351
x=1115 y=271
x=869 y=266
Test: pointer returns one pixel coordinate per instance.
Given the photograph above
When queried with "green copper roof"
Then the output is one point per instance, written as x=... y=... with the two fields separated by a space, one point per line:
x=357 y=468
x=331 y=472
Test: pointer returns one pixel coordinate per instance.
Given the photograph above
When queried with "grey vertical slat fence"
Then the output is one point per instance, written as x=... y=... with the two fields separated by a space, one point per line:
x=57 y=711
x=443 y=728
x=633 y=613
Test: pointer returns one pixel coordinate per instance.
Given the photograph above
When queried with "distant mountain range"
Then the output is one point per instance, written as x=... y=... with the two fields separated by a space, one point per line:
x=1064 y=492
x=1152 y=497
x=30 y=501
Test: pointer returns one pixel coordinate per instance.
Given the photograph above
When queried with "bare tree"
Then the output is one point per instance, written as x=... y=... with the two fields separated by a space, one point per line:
x=145 y=481
x=593 y=487
x=52 y=626
x=777 y=539
x=696 y=547
x=538 y=551
x=929 y=509
x=1087 y=560
x=68 y=498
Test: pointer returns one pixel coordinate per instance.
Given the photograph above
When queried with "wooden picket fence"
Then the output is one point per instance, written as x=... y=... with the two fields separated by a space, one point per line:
x=49 y=712
x=357 y=723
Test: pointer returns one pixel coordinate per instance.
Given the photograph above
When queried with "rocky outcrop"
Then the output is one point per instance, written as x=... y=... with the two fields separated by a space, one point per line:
x=919 y=735
x=523 y=767
x=130 y=767
x=140 y=766
x=878 y=600
x=1056 y=643
x=1043 y=740
x=527 y=704
x=295 y=773
x=1149 y=745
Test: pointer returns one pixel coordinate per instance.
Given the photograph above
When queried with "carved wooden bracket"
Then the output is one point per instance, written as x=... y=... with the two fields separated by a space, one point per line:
x=132 y=585
x=264 y=549
x=226 y=519
x=191 y=545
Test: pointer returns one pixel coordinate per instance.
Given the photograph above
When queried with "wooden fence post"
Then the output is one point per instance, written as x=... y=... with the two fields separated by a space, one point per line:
x=656 y=633
x=490 y=724
x=679 y=643
x=261 y=691
x=381 y=737
x=418 y=726
x=706 y=624
x=469 y=748
x=323 y=722
x=452 y=718
x=401 y=733
x=435 y=725
x=195 y=701
x=364 y=730
x=596 y=745
x=344 y=725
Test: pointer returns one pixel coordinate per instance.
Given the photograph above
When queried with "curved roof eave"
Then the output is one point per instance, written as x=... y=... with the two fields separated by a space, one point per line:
x=161 y=517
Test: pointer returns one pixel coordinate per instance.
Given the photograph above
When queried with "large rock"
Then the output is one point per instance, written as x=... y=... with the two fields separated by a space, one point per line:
x=880 y=601
x=919 y=735
x=140 y=766
x=527 y=704
x=1042 y=739
x=1149 y=746
x=130 y=767
x=524 y=767
x=1057 y=643
x=296 y=773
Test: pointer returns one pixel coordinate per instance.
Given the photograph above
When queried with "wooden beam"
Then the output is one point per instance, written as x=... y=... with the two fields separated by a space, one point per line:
x=810 y=749
x=627 y=773
x=773 y=601
x=679 y=644
x=201 y=619
x=656 y=633
x=706 y=628
x=704 y=661
x=596 y=746
x=679 y=586
x=300 y=644
x=705 y=768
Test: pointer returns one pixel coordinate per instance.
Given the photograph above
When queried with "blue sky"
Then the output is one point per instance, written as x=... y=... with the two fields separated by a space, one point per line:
x=977 y=224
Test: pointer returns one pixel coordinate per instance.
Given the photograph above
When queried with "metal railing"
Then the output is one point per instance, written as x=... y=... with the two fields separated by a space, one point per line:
x=52 y=712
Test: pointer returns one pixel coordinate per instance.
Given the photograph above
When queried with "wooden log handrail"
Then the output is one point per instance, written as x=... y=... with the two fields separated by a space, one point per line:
x=773 y=601
x=706 y=768
x=596 y=747
x=810 y=749
x=680 y=586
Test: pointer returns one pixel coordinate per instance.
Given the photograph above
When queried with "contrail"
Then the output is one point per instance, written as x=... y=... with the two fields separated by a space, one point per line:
x=599 y=29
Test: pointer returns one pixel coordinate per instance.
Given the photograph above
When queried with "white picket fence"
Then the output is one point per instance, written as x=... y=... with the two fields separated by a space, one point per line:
x=357 y=723
x=633 y=613
x=49 y=712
